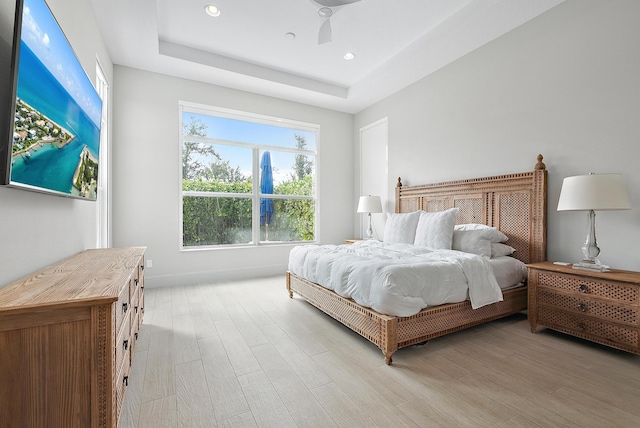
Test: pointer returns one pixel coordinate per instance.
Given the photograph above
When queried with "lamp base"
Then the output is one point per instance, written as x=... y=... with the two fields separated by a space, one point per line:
x=369 y=229
x=590 y=249
x=591 y=266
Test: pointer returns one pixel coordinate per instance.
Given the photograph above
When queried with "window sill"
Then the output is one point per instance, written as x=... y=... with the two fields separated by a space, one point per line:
x=244 y=246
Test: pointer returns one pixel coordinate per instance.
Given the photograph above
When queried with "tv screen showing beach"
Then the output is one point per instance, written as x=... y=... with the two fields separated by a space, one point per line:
x=56 y=136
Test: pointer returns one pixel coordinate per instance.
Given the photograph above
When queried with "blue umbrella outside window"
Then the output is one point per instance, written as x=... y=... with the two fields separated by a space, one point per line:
x=266 y=188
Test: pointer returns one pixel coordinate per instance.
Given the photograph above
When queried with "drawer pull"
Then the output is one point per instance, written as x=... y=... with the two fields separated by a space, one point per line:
x=135 y=335
x=126 y=344
x=582 y=326
x=582 y=307
x=125 y=380
x=142 y=267
x=135 y=281
x=136 y=309
x=124 y=307
x=583 y=288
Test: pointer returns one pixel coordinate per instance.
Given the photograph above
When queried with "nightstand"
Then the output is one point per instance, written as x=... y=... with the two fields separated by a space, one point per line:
x=352 y=241
x=603 y=307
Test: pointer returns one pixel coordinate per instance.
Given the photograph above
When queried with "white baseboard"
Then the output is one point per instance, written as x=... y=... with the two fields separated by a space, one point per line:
x=191 y=278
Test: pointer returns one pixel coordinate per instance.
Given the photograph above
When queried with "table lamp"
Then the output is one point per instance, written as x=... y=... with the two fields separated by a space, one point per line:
x=369 y=204
x=591 y=193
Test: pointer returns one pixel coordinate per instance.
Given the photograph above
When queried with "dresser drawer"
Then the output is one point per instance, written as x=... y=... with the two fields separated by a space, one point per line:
x=122 y=381
x=134 y=285
x=123 y=345
x=588 y=327
x=141 y=305
x=590 y=306
x=625 y=293
x=135 y=303
x=123 y=306
x=134 y=337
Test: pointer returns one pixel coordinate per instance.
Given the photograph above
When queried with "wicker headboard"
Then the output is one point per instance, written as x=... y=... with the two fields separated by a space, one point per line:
x=515 y=203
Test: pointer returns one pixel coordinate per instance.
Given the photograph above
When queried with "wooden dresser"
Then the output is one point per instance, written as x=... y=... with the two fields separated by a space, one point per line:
x=67 y=335
x=603 y=307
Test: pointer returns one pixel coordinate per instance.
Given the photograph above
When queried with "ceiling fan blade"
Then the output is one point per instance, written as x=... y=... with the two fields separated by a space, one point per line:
x=335 y=3
x=324 y=36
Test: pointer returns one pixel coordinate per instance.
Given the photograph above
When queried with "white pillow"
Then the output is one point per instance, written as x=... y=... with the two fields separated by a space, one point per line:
x=499 y=250
x=435 y=229
x=400 y=228
x=496 y=236
x=476 y=241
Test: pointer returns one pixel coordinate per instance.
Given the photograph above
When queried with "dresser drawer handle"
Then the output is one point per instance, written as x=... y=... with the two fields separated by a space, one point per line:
x=124 y=308
x=125 y=380
x=583 y=288
x=582 y=307
x=582 y=326
x=126 y=344
x=135 y=335
x=136 y=309
x=135 y=281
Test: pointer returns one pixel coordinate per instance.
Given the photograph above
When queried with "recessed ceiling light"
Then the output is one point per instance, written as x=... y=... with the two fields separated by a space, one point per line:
x=349 y=56
x=290 y=35
x=212 y=10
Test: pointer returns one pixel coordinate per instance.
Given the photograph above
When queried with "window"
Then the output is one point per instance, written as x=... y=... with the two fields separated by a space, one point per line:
x=102 y=86
x=246 y=179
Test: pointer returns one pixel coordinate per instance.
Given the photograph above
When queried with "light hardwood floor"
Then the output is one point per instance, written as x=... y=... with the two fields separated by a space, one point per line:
x=242 y=354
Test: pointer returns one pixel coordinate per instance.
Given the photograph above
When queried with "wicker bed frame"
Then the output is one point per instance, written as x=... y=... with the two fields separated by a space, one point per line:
x=514 y=203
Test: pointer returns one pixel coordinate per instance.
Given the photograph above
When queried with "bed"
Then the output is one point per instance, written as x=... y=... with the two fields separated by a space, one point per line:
x=515 y=204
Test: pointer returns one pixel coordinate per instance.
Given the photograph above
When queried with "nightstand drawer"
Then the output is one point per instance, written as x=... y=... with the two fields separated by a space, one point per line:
x=588 y=328
x=589 y=286
x=590 y=307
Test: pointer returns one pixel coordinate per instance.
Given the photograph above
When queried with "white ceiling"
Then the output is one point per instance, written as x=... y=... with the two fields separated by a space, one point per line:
x=396 y=42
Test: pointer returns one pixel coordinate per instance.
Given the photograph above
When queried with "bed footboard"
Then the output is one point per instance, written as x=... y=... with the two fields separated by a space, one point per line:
x=379 y=329
x=390 y=333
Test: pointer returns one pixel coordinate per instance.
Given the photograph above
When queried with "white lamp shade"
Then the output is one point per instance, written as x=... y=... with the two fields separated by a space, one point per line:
x=598 y=192
x=369 y=204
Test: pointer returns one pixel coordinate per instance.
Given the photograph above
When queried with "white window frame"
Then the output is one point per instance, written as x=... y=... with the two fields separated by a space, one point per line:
x=255 y=195
x=103 y=198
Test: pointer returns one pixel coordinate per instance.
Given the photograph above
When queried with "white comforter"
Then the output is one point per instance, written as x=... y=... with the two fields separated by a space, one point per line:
x=397 y=279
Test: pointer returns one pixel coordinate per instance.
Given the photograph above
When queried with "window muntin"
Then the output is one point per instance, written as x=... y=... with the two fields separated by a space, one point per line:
x=222 y=198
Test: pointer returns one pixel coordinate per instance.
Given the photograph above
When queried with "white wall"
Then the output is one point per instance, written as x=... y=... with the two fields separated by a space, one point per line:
x=37 y=229
x=373 y=165
x=146 y=176
x=566 y=84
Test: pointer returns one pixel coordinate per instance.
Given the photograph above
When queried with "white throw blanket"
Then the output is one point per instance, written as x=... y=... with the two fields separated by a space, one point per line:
x=397 y=279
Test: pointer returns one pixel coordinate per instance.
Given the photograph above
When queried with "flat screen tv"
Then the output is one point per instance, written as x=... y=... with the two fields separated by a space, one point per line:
x=50 y=111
